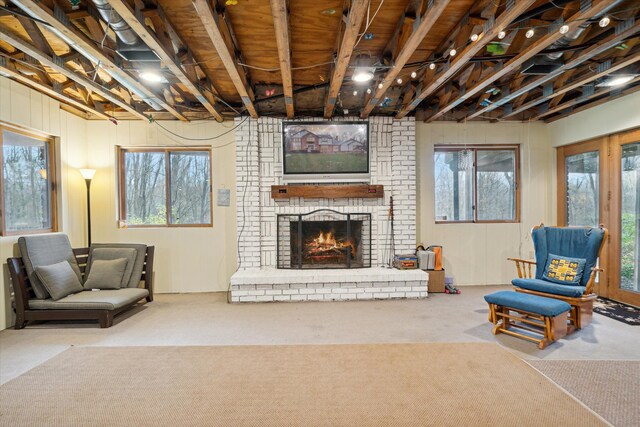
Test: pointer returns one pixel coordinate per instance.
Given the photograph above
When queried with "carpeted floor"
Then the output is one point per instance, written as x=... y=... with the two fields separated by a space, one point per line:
x=609 y=387
x=438 y=384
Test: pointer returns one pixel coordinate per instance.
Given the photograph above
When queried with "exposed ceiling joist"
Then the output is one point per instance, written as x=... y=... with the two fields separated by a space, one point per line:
x=78 y=41
x=595 y=50
x=597 y=8
x=9 y=68
x=469 y=52
x=136 y=22
x=354 y=22
x=614 y=95
x=211 y=23
x=56 y=65
x=281 y=26
x=425 y=24
x=580 y=100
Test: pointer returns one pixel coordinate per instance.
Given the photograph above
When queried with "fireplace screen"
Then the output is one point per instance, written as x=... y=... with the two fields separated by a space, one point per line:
x=324 y=239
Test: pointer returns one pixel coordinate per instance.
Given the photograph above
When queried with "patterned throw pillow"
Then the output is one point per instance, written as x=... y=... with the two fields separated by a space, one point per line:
x=564 y=270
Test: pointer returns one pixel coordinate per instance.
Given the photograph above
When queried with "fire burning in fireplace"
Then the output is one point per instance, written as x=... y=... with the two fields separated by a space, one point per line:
x=325 y=245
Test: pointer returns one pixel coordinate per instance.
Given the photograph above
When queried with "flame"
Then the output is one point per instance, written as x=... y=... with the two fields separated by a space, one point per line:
x=327 y=241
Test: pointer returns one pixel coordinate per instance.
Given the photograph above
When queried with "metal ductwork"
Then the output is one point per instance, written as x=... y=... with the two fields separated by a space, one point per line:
x=541 y=65
x=130 y=46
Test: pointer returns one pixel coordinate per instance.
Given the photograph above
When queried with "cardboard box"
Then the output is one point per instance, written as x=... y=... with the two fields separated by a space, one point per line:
x=436 y=281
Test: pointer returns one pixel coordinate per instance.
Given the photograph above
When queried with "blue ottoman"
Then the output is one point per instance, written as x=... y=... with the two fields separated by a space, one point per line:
x=533 y=315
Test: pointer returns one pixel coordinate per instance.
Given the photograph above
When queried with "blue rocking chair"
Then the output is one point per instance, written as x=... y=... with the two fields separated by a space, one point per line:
x=578 y=243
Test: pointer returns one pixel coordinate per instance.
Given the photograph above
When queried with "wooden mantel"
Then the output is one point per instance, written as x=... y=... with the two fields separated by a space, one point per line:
x=319 y=191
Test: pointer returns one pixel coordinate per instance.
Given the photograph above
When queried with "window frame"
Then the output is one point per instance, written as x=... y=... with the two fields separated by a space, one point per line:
x=52 y=177
x=482 y=147
x=122 y=205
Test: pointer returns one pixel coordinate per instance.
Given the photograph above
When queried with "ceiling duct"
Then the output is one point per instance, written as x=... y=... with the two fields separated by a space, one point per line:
x=550 y=62
x=130 y=46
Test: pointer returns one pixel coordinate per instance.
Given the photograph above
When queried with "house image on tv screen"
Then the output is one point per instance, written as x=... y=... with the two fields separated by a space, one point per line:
x=305 y=141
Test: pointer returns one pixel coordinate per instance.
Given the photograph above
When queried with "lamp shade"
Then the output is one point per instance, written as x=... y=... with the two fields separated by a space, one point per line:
x=87 y=173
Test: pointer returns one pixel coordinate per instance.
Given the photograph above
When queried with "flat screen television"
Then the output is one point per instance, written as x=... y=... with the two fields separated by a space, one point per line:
x=325 y=151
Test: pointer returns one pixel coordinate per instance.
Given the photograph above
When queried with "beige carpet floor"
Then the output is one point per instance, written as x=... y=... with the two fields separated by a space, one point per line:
x=434 y=384
x=609 y=387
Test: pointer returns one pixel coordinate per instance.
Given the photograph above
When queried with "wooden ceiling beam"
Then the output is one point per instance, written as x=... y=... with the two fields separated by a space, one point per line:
x=424 y=24
x=611 y=97
x=35 y=34
x=462 y=59
x=349 y=38
x=606 y=44
x=281 y=27
x=135 y=19
x=9 y=68
x=211 y=24
x=580 y=100
x=55 y=64
x=60 y=22
x=597 y=8
x=576 y=84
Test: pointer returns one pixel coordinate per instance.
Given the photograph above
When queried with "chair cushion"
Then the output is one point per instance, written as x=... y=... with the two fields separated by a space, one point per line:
x=106 y=274
x=111 y=254
x=532 y=303
x=59 y=279
x=45 y=249
x=92 y=300
x=549 y=287
x=564 y=270
x=138 y=266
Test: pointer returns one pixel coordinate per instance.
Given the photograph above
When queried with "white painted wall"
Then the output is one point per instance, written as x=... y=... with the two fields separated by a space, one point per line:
x=191 y=259
x=614 y=116
x=22 y=106
x=476 y=254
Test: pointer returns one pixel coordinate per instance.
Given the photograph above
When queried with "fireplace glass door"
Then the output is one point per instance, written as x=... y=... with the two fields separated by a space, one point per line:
x=324 y=239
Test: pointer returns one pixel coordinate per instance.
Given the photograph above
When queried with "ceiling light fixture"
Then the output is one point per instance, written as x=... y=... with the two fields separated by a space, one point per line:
x=453 y=52
x=355 y=93
x=432 y=66
x=604 y=21
x=617 y=80
x=399 y=81
x=414 y=74
x=368 y=90
x=474 y=37
x=502 y=34
x=152 y=76
x=380 y=85
x=564 y=29
x=362 y=74
x=529 y=33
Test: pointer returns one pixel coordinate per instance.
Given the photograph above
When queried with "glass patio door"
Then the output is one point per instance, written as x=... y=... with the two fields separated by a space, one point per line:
x=582 y=186
x=624 y=282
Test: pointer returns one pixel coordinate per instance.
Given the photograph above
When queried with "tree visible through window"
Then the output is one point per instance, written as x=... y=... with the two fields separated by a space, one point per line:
x=165 y=187
x=476 y=184
x=28 y=197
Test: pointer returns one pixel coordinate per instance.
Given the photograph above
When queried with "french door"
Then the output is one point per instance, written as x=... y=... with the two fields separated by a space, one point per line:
x=599 y=183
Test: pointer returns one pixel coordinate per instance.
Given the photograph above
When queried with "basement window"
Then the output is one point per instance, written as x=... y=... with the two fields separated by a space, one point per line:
x=27 y=183
x=165 y=187
x=477 y=183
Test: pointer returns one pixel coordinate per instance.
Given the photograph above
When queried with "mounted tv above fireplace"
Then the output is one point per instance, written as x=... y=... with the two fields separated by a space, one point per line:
x=325 y=151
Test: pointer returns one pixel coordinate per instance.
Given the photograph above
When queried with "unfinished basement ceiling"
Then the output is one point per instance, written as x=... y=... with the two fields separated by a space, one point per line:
x=513 y=59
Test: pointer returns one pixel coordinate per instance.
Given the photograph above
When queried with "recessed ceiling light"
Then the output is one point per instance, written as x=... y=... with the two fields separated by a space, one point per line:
x=618 y=80
x=152 y=76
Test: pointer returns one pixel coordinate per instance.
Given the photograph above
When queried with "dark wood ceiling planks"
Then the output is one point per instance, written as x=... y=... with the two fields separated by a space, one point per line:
x=202 y=84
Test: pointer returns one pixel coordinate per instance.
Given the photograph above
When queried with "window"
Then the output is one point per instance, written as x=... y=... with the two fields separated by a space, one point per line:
x=165 y=186
x=27 y=186
x=477 y=183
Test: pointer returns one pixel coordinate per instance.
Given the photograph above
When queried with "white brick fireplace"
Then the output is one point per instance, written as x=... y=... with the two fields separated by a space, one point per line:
x=259 y=166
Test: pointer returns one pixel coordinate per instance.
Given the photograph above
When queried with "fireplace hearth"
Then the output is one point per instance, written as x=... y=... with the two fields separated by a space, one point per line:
x=324 y=239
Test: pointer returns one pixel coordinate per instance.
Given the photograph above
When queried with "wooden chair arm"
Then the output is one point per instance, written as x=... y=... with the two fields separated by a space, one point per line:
x=592 y=280
x=524 y=267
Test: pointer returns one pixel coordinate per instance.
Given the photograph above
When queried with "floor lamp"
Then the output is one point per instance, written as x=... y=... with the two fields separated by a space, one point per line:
x=88 y=174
